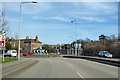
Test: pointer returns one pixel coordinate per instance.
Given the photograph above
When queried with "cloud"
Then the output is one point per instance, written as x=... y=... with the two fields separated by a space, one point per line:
x=107 y=8
x=59 y=18
x=36 y=9
x=67 y=19
x=93 y=19
x=27 y=8
x=53 y=17
x=62 y=0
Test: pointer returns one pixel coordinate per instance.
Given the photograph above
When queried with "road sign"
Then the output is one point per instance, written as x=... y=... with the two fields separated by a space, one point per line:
x=40 y=51
x=2 y=32
x=2 y=38
x=2 y=43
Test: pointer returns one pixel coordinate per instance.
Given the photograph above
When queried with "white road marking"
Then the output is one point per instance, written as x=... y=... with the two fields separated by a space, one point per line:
x=80 y=75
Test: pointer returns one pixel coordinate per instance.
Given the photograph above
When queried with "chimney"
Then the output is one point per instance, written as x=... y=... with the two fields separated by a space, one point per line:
x=7 y=38
x=12 y=39
x=27 y=37
x=36 y=38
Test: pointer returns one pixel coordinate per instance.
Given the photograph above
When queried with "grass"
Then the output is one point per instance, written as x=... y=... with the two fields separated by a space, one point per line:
x=7 y=60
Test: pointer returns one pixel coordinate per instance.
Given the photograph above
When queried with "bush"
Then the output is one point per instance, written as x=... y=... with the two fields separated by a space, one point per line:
x=8 y=46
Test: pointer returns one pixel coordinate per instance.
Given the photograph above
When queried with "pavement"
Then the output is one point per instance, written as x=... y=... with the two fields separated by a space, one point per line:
x=66 y=68
x=111 y=59
x=12 y=67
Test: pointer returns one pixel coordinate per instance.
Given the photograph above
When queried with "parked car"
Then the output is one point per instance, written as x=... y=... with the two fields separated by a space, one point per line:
x=29 y=53
x=105 y=54
x=11 y=53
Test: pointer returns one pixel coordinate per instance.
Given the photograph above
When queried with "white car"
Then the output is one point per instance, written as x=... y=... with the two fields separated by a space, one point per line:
x=105 y=54
x=11 y=53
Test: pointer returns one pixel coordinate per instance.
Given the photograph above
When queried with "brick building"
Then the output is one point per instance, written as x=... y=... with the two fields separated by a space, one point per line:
x=27 y=45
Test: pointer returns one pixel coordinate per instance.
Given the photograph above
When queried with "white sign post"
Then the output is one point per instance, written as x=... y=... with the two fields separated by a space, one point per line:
x=2 y=42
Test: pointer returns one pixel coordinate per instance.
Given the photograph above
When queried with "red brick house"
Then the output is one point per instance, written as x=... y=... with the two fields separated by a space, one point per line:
x=27 y=45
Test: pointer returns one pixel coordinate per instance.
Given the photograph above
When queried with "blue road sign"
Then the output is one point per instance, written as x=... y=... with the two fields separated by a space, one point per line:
x=40 y=51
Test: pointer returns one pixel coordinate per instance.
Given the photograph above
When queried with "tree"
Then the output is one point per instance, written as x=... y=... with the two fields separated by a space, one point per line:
x=16 y=35
x=112 y=37
x=47 y=47
x=87 y=39
x=3 y=22
x=8 y=46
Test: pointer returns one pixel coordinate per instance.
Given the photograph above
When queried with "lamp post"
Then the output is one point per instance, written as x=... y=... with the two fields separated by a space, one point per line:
x=75 y=39
x=20 y=25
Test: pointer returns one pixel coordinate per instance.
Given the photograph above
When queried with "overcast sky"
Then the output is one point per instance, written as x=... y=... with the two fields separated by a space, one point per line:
x=51 y=21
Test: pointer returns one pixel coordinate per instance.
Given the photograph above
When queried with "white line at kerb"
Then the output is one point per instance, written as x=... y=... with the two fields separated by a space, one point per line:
x=80 y=75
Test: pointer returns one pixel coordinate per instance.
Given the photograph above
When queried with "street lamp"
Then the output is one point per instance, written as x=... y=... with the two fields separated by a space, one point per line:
x=19 y=27
x=75 y=38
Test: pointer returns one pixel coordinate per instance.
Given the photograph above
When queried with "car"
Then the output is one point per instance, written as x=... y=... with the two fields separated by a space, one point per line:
x=105 y=54
x=11 y=53
x=28 y=53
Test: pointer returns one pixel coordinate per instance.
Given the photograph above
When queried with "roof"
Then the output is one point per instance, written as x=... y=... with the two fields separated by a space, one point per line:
x=27 y=40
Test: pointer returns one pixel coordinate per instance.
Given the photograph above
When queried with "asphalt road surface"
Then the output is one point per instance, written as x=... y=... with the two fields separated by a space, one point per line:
x=67 y=68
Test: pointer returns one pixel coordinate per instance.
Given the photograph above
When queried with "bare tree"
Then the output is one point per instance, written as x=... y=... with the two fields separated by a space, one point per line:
x=87 y=39
x=3 y=22
x=112 y=37
x=16 y=35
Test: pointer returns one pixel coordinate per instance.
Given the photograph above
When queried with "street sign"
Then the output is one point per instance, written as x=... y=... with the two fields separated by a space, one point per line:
x=2 y=38
x=2 y=43
x=40 y=51
x=2 y=32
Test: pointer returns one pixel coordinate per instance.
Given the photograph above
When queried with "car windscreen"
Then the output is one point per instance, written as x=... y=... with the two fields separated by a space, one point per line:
x=106 y=53
x=13 y=51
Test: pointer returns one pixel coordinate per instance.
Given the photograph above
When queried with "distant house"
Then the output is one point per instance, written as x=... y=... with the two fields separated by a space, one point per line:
x=27 y=45
x=102 y=37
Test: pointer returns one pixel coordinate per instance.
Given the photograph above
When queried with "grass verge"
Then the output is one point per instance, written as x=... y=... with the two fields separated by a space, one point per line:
x=7 y=60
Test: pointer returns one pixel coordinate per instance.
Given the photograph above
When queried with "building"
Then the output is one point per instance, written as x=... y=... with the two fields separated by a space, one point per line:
x=102 y=37
x=75 y=48
x=27 y=45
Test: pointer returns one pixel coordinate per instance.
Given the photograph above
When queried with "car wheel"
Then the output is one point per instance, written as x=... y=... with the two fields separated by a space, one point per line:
x=104 y=56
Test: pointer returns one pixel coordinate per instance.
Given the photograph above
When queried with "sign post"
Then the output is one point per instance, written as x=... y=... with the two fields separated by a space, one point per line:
x=2 y=42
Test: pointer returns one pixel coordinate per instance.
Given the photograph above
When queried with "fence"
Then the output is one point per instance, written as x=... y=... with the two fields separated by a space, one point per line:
x=70 y=51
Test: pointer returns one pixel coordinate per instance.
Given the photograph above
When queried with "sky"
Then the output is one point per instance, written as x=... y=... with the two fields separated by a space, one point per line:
x=51 y=21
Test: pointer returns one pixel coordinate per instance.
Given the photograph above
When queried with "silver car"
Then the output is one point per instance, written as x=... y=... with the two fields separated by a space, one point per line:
x=105 y=54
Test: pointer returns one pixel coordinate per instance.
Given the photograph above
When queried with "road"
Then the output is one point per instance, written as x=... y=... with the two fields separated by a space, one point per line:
x=67 y=68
